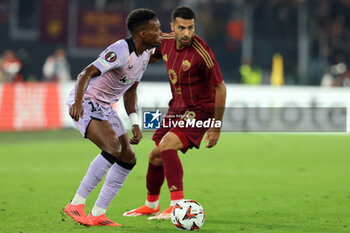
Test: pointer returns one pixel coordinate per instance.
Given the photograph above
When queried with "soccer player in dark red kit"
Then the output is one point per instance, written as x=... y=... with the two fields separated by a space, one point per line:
x=199 y=93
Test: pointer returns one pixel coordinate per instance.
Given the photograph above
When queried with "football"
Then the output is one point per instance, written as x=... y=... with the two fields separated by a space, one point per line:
x=188 y=215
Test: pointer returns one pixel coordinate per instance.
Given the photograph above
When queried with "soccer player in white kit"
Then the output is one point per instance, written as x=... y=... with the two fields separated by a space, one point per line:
x=115 y=73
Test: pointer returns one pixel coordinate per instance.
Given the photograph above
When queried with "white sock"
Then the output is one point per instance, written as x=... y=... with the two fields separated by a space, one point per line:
x=153 y=204
x=173 y=202
x=77 y=200
x=97 y=211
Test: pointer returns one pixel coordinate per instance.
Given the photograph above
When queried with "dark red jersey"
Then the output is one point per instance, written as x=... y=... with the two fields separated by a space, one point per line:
x=193 y=71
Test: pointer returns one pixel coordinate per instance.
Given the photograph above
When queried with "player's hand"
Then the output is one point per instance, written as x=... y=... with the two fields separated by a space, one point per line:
x=212 y=137
x=76 y=111
x=137 y=135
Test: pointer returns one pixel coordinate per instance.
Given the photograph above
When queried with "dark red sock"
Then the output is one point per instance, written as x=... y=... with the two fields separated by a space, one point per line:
x=173 y=173
x=154 y=181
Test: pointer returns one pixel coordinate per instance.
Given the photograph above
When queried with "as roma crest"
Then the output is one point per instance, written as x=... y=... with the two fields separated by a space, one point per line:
x=186 y=65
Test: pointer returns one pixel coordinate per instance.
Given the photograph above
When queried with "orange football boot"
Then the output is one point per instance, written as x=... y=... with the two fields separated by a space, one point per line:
x=166 y=214
x=101 y=220
x=77 y=213
x=142 y=211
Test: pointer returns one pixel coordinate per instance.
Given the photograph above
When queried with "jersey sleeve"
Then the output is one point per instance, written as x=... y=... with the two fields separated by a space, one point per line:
x=212 y=69
x=116 y=55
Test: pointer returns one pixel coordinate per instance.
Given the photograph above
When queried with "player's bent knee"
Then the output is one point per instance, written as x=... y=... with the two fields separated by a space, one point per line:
x=155 y=159
x=167 y=145
x=113 y=148
x=128 y=155
x=170 y=142
x=113 y=151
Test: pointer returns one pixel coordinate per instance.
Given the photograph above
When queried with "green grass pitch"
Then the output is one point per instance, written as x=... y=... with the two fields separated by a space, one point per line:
x=247 y=183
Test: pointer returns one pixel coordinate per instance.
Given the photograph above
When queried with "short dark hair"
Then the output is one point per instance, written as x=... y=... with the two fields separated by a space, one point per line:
x=139 y=17
x=183 y=12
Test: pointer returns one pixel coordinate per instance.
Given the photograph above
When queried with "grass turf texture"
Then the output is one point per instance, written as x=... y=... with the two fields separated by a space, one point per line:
x=248 y=183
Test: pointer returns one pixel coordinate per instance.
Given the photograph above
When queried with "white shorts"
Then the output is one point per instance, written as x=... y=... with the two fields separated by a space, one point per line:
x=96 y=111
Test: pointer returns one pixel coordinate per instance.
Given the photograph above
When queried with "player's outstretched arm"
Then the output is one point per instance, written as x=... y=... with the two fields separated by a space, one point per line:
x=76 y=110
x=213 y=134
x=130 y=102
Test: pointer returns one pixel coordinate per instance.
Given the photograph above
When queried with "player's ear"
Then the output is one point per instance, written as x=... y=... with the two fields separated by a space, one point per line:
x=172 y=27
x=142 y=34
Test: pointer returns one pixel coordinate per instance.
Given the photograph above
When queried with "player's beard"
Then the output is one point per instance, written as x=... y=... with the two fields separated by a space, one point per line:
x=185 y=41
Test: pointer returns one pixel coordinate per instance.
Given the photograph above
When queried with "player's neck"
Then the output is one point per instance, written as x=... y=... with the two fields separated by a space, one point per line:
x=179 y=46
x=139 y=46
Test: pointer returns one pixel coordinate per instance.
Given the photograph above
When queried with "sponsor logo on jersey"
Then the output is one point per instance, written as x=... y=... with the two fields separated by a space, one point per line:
x=126 y=80
x=111 y=57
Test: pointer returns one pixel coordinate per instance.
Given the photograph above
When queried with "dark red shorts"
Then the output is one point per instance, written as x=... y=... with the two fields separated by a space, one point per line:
x=190 y=135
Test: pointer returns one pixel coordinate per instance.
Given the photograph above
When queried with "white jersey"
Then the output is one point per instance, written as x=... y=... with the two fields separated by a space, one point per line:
x=120 y=68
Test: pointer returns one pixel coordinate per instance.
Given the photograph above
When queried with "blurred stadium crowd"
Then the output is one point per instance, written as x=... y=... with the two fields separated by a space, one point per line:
x=306 y=42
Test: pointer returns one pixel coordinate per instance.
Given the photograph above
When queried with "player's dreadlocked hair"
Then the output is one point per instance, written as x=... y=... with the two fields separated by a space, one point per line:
x=183 y=12
x=139 y=17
